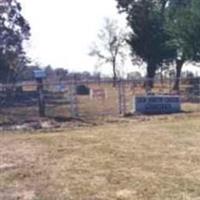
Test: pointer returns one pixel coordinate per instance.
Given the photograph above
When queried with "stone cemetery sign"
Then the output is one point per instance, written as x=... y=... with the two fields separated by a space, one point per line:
x=162 y=104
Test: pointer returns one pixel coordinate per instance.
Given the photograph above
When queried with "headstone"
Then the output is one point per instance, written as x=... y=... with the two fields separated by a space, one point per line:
x=98 y=94
x=158 y=104
x=29 y=86
x=82 y=90
x=57 y=88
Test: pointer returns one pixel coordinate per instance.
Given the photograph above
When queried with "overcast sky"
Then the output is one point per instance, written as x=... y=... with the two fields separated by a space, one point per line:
x=63 y=30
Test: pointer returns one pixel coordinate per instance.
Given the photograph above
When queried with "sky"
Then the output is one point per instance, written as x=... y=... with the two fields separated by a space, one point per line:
x=62 y=32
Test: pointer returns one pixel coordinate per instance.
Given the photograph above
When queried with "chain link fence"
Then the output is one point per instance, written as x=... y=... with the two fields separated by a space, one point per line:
x=82 y=99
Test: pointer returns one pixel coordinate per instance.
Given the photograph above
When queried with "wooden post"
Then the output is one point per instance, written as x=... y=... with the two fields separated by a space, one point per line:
x=41 y=102
x=39 y=75
x=124 y=97
x=121 y=98
x=73 y=101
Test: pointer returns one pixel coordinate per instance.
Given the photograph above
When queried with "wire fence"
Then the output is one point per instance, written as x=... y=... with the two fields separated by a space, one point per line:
x=83 y=99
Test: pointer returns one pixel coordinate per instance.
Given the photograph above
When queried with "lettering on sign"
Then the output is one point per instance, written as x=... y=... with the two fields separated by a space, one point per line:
x=157 y=104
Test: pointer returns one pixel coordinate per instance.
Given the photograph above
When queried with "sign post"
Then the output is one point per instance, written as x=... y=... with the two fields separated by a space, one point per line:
x=40 y=75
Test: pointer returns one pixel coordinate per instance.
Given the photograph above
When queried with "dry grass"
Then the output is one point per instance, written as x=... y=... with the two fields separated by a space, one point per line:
x=150 y=158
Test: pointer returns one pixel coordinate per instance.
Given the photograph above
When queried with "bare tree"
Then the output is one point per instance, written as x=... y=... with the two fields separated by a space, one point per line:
x=111 y=46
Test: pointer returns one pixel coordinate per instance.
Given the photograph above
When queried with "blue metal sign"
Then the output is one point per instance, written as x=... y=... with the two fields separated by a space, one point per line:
x=39 y=73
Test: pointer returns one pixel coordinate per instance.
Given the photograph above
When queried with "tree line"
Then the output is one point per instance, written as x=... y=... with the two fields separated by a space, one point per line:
x=14 y=30
x=162 y=33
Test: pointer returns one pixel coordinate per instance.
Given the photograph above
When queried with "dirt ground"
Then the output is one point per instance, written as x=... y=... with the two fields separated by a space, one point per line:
x=144 y=158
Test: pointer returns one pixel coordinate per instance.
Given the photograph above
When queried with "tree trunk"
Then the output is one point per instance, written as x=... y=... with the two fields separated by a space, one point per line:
x=10 y=92
x=114 y=74
x=179 y=65
x=149 y=83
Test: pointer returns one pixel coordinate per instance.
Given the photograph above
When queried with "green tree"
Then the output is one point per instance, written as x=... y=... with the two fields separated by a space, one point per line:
x=14 y=30
x=183 y=25
x=177 y=20
x=148 y=38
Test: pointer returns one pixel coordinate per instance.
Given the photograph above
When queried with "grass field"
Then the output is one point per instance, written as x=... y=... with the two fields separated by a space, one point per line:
x=144 y=158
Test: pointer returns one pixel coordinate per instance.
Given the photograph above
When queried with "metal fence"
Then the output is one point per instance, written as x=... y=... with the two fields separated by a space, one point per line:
x=83 y=99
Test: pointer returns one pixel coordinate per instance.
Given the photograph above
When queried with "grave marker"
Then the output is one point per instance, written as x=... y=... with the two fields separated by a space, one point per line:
x=98 y=93
x=29 y=86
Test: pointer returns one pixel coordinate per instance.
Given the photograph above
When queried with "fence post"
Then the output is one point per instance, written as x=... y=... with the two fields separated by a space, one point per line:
x=124 y=97
x=198 y=93
x=41 y=102
x=73 y=101
x=39 y=76
x=121 y=98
